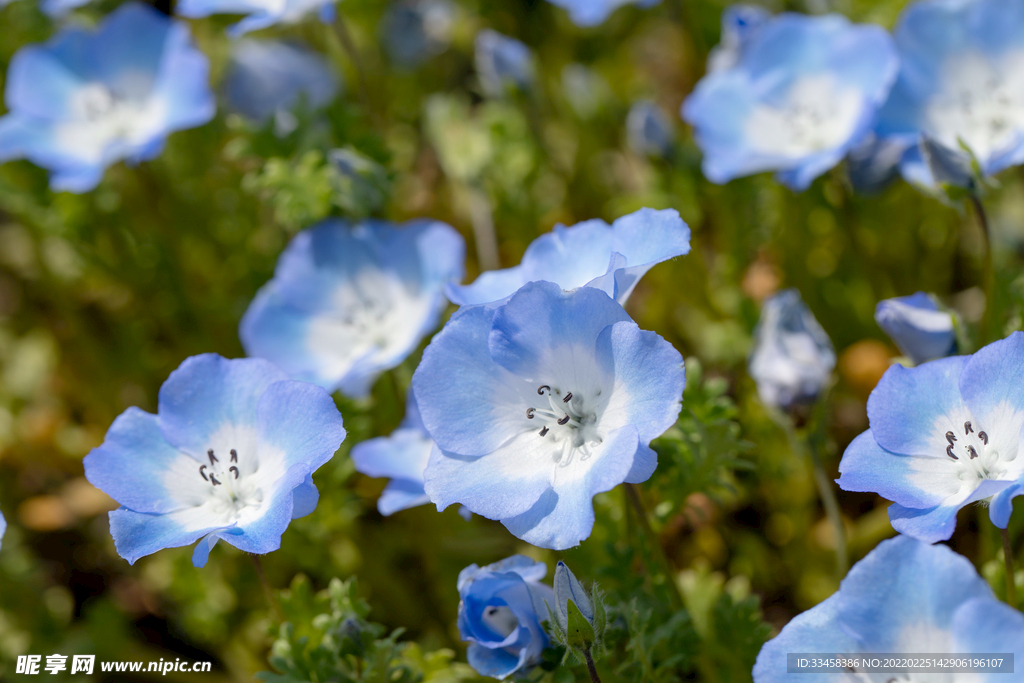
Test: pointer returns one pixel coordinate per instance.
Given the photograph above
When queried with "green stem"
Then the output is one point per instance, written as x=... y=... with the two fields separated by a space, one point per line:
x=481 y=216
x=1011 y=583
x=989 y=283
x=641 y=512
x=345 y=37
x=268 y=592
x=594 y=678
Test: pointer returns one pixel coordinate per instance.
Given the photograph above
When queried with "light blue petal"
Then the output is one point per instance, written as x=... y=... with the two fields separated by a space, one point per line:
x=918 y=327
x=269 y=76
x=918 y=426
x=816 y=630
x=263 y=535
x=401 y=494
x=58 y=8
x=644 y=463
x=134 y=38
x=207 y=392
x=594 y=12
x=3 y=528
x=985 y=624
x=992 y=386
x=41 y=78
x=305 y=498
x=936 y=524
x=646 y=238
x=911 y=482
x=489 y=662
x=138 y=534
x=1001 y=508
x=183 y=82
x=137 y=467
x=502 y=63
x=302 y=421
x=490 y=286
x=204 y=8
x=403 y=455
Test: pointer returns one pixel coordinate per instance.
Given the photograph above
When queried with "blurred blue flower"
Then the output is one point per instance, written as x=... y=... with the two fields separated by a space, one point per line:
x=402 y=457
x=874 y=163
x=229 y=455
x=612 y=257
x=268 y=78
x=414 y=31
x=905 y=596
x=594 y=12
x=3 y=528
x=802 y=93
x=943 y=435
x=540 y=403
x=739 y=23
x=792 y=358
x=648 y=130
x=87 y=99
x=961 y=79
x=500 y=611
x=502 y=64
x=920 y=329
x=348 y=302
x=259 y=13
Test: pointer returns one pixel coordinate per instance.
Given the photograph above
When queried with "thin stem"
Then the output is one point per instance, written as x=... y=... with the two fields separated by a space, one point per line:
x=268 y=592
x=594 y=678
x=989 y=276
x=641 y=512
x=828 y=500
x=482 y=218
x=1011 y=583
x=345 y=36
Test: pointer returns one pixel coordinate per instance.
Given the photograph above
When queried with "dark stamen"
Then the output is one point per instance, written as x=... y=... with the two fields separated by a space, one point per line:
x=530 y=412
x=212 y=457
x=542 y=388
x=234 y=455
x=213 y=480
x=544 y=431
x=974 y=453
x=235 y=470
x=949 y=452
x=984 y=437
x=950 y=437
x=201 y=473
x=568 y=397
x=967 y=427
x=564 y=420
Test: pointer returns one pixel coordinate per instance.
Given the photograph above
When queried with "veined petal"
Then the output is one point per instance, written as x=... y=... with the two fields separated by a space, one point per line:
x=137 y=534
x=262 y=528
x=302 y=421
x=935 y=524
x=401 y=494
x=403 y=455
x=992 y=386
x=984 y=624
x=815 y=630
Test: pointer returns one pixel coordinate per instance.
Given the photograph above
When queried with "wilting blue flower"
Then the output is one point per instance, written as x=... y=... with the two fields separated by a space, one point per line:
x=592 y=253
x=500 y=610
x=917 y=325
x=87 y=99
x=348 y=302
x=502 y=63
x=402 y=457
x=904 y=597
x=961 y=79
x=268 y=78
x=943 y=435
x=792 y=358
x=739 y=22
x=260 y=13
x=648 y=130
x=229 y=455
x=415 y=31
x=802 y=93
x=539 y=404
x=594 y=12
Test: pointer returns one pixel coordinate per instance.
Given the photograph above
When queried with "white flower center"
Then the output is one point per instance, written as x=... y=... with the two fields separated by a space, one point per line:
x=568 y=421
x=816 y=114
x=981 y=102
x=978 y=459
x=500 y=619
x=231 y=492
x=100 y=117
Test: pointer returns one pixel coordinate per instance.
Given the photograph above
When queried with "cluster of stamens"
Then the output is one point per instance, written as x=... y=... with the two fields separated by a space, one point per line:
x=555 y=409
x=212 y=477
x=971 y=450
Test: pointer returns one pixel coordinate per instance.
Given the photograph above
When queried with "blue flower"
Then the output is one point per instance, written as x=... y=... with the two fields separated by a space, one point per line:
x=593 y=254
x=500 y=611
x=87 y=99
x=502 y=64
x=917 y=325
x=904 y=597
x=594 y=12
x=3 y=527
x=793 y=358
x=874 y=163
x=402 y=457
x=259 y=13
x=739 y=23
x=229 y=455
x=541 y=403
x=961 y=79
x=943 y=435
x=267 y=78
x=648 y=130
x=802 y=93
x=348 y=302
x=416 y=31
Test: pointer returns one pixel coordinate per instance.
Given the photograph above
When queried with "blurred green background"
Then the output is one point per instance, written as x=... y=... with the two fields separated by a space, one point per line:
x=103 y=294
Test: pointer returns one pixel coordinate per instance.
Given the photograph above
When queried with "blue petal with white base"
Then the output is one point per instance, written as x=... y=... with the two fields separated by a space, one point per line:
x=540 y=403
x=229 y=455
x=592 y=253
x=961 y=79
x=920 y=329
x=87 y=99
x=943 y=435
x=802 y=93
x=348 y=302
x=501 y=607
x=595 y=12
x=904 y=597
x=259 y=13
